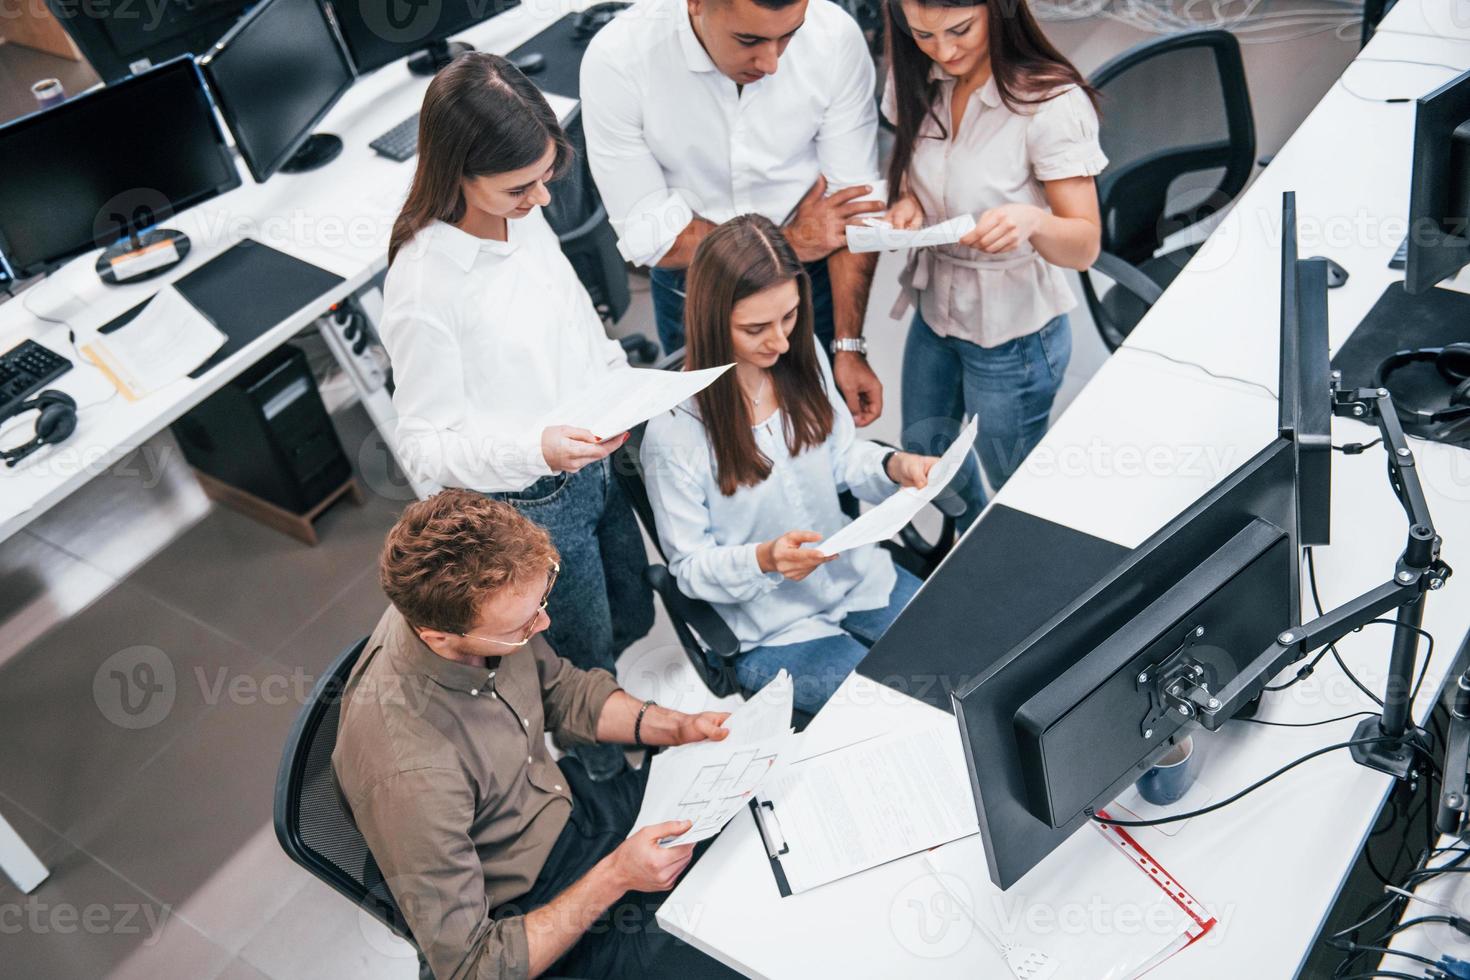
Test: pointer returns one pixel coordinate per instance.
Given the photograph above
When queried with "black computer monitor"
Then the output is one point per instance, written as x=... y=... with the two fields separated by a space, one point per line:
x=109 y=165
x=1065 y=721
x=1439 y=196
x=378 y=32
x=274 y=76
x=1305 y=392
x=120 y=37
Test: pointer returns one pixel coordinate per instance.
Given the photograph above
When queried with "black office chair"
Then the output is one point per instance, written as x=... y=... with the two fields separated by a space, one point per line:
x=577 y=215
x=313 y=827
x=1181 y=141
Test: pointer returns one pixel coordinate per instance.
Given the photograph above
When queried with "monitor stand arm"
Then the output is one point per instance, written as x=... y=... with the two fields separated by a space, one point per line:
x=1419 y=570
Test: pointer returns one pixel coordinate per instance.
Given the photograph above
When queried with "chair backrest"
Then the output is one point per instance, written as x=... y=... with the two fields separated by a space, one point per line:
x=581 y=224
x=1177 y=128
x=312 y=823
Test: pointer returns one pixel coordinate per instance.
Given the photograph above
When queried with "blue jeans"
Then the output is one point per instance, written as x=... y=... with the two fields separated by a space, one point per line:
x=668 y=305
x=601 y=602
x=818 y=667
x=1011 y=388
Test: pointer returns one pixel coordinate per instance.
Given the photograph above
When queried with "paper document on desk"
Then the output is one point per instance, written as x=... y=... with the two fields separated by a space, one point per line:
x=865 y=804
x=622 y=399
x=888 y=518
x=166 y=340
x=707 y=783
x=879 y=236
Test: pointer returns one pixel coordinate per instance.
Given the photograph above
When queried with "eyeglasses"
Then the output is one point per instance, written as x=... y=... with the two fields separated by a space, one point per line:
x=530 y=628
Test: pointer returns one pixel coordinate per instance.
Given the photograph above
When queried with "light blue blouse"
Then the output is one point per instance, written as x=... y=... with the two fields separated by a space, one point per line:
x=710 y=539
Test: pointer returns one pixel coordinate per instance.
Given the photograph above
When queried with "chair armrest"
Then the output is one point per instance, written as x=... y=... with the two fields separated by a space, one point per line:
x=1128 y=276
x=697 y=614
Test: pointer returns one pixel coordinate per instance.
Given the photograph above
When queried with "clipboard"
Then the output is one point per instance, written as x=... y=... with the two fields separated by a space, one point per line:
x=774 y=842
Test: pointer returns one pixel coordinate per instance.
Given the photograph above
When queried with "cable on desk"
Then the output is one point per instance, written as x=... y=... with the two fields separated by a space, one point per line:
x=1200 y=367
x=1393 y=100
x=1306 y=724
x=1248 y=790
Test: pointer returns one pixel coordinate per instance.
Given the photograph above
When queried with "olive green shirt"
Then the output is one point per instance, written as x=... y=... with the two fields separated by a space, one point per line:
x=447 y=774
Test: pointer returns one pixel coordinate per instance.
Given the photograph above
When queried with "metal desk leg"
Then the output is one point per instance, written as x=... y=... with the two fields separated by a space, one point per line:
x=18 y=861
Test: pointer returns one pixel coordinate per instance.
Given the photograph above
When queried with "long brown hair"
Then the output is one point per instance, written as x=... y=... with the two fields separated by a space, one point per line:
x=1026 y=66
x=744 y=256
x=481 y=116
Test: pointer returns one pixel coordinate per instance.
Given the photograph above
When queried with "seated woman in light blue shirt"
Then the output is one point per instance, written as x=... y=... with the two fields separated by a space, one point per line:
x=747 y=472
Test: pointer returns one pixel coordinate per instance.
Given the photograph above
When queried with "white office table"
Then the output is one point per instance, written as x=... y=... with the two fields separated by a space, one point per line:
x=337 y=218
x=1270 y=865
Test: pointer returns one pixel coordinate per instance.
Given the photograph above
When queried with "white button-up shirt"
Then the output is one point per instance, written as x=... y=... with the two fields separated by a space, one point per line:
x=485 y=339
x=1001 y=156
x=669 y=136
x=710 y=539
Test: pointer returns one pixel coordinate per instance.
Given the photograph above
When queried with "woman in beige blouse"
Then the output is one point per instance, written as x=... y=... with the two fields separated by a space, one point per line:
x=994 y=122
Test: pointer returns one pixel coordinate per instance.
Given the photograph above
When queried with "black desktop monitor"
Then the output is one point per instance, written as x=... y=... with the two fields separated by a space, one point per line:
x=1305 y=393
x=119 y=37
x=1061 y=724
x=104 y=166
x=274 y=76
x=378 y=32
x=1439 y=196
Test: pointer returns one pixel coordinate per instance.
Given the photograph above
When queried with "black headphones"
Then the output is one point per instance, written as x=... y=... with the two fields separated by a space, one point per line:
x=1452 y=361
x=58 y=419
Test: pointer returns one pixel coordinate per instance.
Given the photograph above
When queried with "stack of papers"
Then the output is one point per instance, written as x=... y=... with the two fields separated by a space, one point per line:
x=707 y=783
x=622 y=399
x=879 y=236
x=166 y=340
x=888 y=518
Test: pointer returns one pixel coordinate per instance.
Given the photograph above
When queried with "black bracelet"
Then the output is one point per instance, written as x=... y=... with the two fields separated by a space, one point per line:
x=638 y=725
x=886 y=457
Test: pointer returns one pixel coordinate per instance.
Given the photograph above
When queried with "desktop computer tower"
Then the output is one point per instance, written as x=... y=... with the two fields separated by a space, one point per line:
x=267 y=433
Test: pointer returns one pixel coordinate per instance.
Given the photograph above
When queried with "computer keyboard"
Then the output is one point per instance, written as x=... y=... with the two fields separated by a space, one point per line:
x=401 y=142
x=24 y=370
x=1400 y=258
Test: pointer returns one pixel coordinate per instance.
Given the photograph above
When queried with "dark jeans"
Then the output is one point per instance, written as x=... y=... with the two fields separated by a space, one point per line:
x=626 y=940
x=1011 y=388
x=601 y=602
x=668 y=305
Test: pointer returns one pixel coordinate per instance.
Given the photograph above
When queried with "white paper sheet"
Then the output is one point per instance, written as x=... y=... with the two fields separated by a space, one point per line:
x=1115 y=935
x=888 y=518
x=707 y=783
x=865 y=804
x=622 y=399
x=879 y=236
x=163 y=343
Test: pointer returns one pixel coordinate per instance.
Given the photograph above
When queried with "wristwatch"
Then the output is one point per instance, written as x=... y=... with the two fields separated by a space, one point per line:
x=856 y=345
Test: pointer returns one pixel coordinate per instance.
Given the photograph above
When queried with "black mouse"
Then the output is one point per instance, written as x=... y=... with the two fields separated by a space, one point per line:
x=1336 y=274
x=530 y=63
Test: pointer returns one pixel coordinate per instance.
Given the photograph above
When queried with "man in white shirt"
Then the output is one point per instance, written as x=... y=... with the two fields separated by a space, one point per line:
x=689 y=123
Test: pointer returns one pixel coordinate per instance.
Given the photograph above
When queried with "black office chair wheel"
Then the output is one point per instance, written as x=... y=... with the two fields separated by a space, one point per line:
x=640 y=349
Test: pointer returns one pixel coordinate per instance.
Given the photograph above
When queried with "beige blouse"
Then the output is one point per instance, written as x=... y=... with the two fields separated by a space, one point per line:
x=1000 y=157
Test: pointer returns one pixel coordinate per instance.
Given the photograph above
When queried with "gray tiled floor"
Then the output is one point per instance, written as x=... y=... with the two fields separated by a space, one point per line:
x=172 y=820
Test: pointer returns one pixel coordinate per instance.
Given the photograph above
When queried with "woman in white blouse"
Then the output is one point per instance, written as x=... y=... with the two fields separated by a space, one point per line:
x=992 y=121
x=746 y=473
x=488 y=330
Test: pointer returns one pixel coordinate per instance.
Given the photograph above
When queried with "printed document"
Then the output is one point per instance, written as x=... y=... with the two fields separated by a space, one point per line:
x=868 y=803
x=707 y=783
x=163 y=343
x=888 y=518
x=622 y=399
x=879 y=236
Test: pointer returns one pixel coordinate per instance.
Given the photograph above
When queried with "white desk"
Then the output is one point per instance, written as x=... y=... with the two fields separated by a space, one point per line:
x=338 y=218
x=1270 y=865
